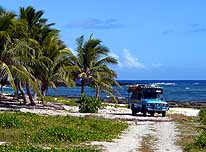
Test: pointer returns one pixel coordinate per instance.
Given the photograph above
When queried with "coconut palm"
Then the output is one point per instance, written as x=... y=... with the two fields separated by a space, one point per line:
x=55 y=59
x=7 y=26
x=13 y=49
x=104 y=81
x=92 y=58
x=38 y=30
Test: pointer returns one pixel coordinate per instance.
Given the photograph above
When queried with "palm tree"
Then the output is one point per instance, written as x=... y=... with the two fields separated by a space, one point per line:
x=50 y=54
x=92 y=58
x=7 y=26
x=38 y=30
x=55 y=59
x=104 y=81
x=13 y=49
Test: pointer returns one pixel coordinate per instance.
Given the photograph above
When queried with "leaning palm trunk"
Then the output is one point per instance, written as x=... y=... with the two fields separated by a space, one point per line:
x=35 y=93
x=30 y=95
x=24 y=96
x=16 y=94
x=97 y=93
x=43 y=91
x=1 y=88
x=44 y=88
x=83 y=86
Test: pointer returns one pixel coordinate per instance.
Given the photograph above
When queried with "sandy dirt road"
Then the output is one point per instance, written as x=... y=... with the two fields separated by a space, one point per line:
x=159 y=134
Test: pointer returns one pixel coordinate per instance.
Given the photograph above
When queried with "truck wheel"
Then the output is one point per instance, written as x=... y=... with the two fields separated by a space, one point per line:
x=144 y=111
x=133 y=110
x=133 y=113
x=163 y=113
x=152 y=114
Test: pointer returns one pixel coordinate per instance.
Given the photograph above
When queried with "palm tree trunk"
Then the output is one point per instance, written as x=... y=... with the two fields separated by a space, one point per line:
x=16 y=93
x=24 y=96
x=44 y=92
x=35 y=94
x=30 y=96
x=97 y=93
x=44 y=88
x=1 y=88
x=83 y=86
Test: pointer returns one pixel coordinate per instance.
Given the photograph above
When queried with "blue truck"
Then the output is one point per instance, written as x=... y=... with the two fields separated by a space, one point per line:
x=147 y=98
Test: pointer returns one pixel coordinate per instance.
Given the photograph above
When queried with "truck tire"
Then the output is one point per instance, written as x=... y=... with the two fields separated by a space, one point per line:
x=144 y=111
x=152 y=113
x=163 y=113
x=133 y=110
x=133 y=113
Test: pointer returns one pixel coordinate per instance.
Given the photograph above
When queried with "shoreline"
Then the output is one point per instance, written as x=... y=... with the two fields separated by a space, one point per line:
x=181 y=104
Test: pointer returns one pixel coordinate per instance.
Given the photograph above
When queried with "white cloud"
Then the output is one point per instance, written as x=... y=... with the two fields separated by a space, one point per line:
x=127 y=60
x=131 y=61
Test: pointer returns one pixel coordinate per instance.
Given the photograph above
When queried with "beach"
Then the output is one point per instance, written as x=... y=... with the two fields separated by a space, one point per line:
x=163 y=130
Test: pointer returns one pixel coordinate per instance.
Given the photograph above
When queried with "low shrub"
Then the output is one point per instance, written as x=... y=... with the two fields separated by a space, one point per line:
x=9 y=121
x=198 y=145
x=201 y=140
x=202 y=116
x=88 y=104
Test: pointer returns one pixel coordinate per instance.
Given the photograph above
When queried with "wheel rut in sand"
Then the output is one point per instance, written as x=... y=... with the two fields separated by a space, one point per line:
x=145 y=136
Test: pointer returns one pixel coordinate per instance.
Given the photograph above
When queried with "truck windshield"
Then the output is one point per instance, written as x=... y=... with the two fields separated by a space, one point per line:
x=150 y=95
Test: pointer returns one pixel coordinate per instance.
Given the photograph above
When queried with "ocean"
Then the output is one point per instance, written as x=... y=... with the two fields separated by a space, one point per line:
x=174 y=90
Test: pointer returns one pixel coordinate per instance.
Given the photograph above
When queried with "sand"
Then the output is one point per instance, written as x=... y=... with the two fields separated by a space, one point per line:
x=162 y=129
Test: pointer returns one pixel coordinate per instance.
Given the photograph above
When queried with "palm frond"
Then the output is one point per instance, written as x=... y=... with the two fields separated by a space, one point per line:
x=6 y=68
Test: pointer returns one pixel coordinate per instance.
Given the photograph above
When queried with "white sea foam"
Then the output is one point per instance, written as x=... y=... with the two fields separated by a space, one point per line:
x=196 y=83
x=166 y=84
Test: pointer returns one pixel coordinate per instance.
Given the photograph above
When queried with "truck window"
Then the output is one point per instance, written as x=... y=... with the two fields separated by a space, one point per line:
x=150 y=95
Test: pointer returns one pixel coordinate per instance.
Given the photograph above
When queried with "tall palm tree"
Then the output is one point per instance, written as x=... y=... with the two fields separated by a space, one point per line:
x=13 y=48
x=38 y=29
x=92 y=58
x=7 y=27
x=50 y=52
x=55 y=62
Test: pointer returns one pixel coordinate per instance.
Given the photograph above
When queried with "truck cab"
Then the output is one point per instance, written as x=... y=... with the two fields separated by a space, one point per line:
x=147 y=98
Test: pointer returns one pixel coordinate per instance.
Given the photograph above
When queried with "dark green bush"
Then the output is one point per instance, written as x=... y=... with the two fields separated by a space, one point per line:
x=201 y=140
x=9 y=121
x=88 y=104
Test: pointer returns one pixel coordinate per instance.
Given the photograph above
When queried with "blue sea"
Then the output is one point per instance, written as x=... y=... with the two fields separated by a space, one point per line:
x=178 y=90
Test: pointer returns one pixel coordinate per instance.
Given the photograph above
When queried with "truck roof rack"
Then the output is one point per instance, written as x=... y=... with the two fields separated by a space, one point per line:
x=139 y=87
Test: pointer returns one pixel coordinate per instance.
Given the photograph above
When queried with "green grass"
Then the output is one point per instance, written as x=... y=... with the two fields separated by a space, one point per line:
x=55 y=131
x=63 y=100
x=38 y=149
x=199 y=143
x=146 y=143
x=189 y=128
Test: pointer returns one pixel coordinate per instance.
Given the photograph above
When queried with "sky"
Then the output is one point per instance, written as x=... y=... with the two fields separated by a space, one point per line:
x=152 y=39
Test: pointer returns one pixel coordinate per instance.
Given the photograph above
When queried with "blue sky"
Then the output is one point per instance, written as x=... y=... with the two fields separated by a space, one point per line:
x=152 y=39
